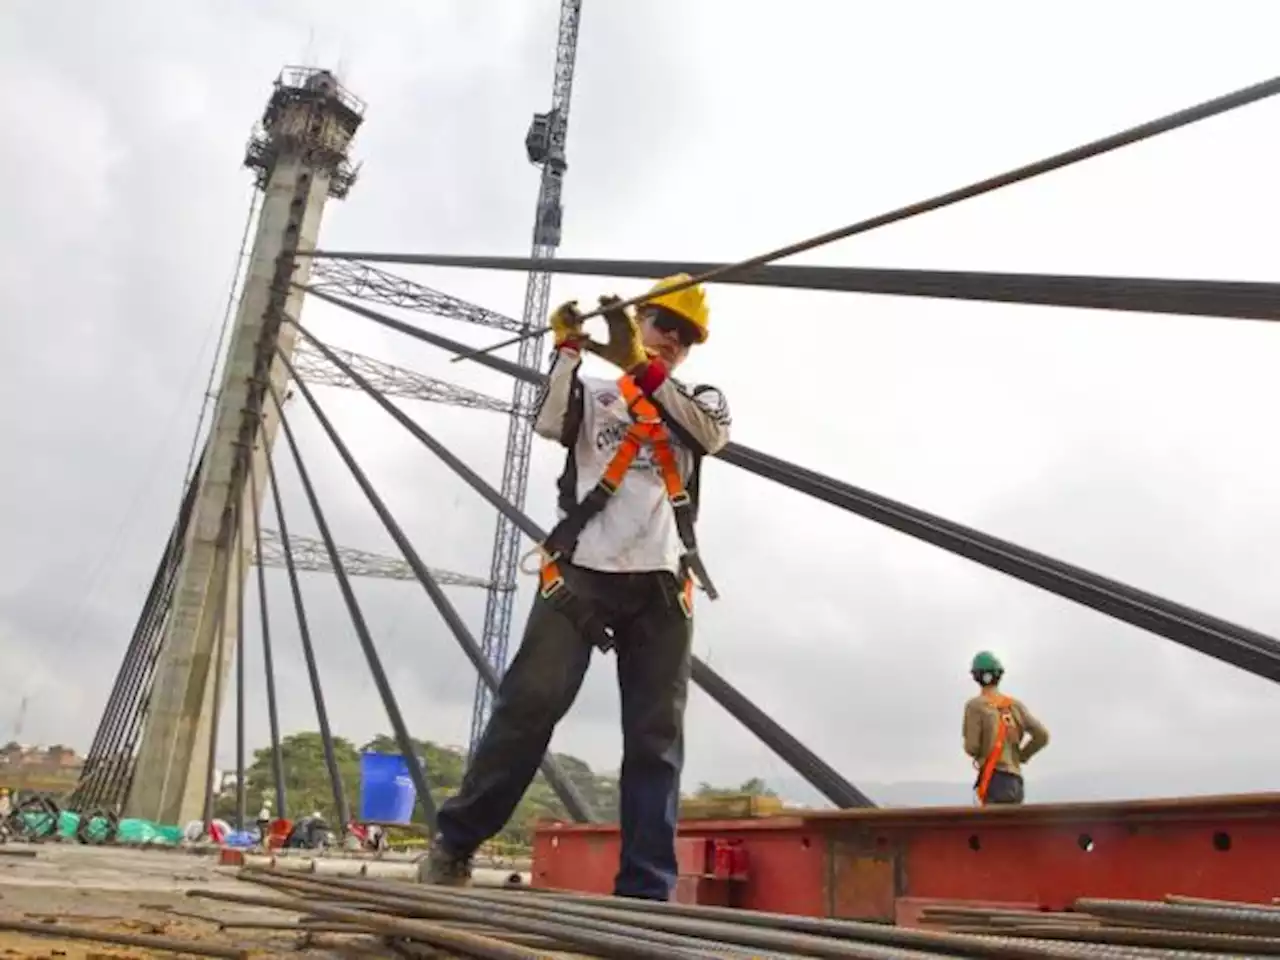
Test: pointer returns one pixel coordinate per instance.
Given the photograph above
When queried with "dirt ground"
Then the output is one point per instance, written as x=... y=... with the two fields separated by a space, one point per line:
x=139 y=892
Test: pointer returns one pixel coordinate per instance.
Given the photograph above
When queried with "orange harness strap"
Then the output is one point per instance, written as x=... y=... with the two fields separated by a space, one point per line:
x=1004 y=717
x=646 y=429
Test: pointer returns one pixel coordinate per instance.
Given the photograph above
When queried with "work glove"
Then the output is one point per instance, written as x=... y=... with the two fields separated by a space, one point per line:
x=625 y=348
x=566 y=325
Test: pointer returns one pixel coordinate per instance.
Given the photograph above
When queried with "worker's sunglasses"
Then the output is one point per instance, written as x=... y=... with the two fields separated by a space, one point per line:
x=668 y=322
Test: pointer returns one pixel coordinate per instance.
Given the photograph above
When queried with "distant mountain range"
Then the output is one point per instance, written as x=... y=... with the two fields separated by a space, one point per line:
x=1096 y=785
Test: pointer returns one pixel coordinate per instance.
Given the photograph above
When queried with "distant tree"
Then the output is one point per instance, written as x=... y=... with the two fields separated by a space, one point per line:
x=306 y=779
x=754 y=787
x=307 y=783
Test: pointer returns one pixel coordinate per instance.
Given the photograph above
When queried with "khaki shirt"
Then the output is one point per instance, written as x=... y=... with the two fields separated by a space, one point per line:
x=1025 y=737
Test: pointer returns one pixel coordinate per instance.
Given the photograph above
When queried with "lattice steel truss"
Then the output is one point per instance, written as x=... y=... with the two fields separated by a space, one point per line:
x=310 y=555
x=395 y=381
x=546 y=146
x=365 y=282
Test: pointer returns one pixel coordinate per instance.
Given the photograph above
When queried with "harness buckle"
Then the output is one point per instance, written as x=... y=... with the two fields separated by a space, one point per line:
x=686 y=601
x=553 y=586
x=696 y=570
x=680 y=500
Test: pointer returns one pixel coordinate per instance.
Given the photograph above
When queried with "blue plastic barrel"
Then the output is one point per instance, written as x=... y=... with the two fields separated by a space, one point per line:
x=387 y=793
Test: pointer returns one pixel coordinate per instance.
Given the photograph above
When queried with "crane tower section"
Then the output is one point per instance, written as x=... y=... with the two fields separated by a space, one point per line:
x=299 y=155
x=545 y=146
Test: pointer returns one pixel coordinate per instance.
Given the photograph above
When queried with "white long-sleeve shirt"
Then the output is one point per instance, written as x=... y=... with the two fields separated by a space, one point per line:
x=636 y=531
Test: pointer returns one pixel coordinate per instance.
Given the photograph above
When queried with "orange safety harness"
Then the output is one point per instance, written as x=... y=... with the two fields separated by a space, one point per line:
x=1004 y=721
x=646 y=429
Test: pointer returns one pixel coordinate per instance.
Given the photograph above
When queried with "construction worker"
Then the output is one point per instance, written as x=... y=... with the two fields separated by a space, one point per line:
x=1000 y=734
x=264 y=823
x=616 y=573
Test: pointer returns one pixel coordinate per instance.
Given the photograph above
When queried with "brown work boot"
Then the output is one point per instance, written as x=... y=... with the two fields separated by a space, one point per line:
x=442 y=867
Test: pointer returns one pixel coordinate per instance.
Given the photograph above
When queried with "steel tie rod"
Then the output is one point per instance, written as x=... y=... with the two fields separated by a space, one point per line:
x=565 y=788
x=1229 y=299
x=416 y=772
x=268 y=659
x=1231 y=643
x=340 y=802
x=1143 y=131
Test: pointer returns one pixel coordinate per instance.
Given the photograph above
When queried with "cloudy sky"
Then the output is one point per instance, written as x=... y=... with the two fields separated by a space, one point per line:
x=1142 y=447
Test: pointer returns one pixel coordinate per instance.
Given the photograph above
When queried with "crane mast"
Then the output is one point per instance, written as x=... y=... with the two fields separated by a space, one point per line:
x=545 y=146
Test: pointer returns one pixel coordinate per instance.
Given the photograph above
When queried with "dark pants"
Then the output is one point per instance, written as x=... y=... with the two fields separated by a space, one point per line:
x=652 y=638
x=1005 y=787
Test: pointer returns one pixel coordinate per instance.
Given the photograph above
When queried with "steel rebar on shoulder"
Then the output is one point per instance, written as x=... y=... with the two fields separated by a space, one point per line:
x=387 y=695
x=804 y=761
x=575 y=803
x=1095 y=148
x=1247 y=649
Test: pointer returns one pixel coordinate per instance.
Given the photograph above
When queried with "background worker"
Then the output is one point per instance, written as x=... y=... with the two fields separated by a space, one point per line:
x=1000 y=734
x=264 y=823
x=616 y=575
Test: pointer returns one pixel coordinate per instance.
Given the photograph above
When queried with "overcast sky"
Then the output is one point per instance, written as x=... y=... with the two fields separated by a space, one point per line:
x=1142 y=447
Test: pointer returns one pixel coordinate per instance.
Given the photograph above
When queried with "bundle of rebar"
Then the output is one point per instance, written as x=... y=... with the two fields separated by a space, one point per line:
x=525 y=923
x=1168 y=927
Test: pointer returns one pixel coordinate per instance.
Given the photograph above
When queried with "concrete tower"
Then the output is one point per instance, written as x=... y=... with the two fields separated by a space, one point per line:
x=300 y=156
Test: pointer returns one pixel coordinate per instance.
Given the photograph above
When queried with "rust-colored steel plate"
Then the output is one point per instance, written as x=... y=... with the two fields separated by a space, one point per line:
x=859 y=864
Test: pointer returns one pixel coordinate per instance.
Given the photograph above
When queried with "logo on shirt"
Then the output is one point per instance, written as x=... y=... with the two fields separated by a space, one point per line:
x=608 y=437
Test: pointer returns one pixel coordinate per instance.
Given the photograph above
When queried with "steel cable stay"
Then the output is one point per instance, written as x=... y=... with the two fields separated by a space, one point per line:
x=389 y=703
x=1239 y=646
x=116 y=718
x=816 y=772
x=342 y=808
x=268 y=662
x=241 y=799
x=1096 y=148
x=134 y=656
x=1228 y=299
x=227 y=536
x=107 y=782
x=126 y=753
x=577 y=805
x=100 y=762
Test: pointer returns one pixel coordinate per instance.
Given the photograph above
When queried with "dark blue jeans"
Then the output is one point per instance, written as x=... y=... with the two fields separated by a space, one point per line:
x=652 y=639
x=1005 y=787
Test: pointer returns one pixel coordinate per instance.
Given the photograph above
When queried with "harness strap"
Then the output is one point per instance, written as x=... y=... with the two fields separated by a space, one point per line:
x=1003 y=705
x=646 y=429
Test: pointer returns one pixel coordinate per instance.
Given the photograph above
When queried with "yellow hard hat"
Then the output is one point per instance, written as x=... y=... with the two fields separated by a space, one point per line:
x=690 y=303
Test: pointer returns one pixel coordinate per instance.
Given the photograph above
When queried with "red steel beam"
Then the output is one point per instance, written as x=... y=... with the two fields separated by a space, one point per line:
x=858 y=864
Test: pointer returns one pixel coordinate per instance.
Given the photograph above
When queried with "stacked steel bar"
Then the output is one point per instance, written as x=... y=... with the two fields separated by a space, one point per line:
x=523 y=923
x=1209 y=927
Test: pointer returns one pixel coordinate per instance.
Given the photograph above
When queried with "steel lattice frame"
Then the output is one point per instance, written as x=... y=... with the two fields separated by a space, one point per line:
x=311 y=556
x=496 y=633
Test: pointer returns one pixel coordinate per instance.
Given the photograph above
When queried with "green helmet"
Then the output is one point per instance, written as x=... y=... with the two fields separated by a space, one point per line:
x=986 y=667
